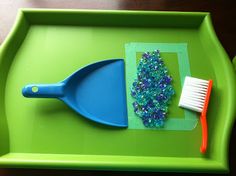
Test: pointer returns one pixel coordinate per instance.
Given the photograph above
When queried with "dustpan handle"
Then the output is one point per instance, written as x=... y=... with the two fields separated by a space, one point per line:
x=43 y=90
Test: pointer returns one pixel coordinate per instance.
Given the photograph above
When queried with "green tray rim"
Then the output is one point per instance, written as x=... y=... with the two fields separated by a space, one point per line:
x=101 y=162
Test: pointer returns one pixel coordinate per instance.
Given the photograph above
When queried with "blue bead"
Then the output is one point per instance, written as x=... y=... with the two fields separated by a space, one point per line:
x=152 y=90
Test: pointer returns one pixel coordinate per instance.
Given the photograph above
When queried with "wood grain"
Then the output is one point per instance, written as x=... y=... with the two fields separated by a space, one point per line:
x=223 y=12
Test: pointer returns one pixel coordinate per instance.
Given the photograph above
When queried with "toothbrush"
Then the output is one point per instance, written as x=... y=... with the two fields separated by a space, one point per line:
x=195 y=96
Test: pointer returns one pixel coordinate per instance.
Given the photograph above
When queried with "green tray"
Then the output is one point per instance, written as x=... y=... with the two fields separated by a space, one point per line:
x=46 y=46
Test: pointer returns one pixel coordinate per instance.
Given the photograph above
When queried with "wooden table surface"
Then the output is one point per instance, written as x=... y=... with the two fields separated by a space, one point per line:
x=223 y=13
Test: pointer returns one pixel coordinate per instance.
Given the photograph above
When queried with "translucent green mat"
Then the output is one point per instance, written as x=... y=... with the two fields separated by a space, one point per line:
x=175 y=57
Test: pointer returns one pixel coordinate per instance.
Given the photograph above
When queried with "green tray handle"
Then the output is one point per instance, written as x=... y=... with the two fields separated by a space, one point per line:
x=234 y=62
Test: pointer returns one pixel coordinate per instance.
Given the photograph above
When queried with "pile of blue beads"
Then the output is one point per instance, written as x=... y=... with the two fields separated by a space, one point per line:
x=152 y=90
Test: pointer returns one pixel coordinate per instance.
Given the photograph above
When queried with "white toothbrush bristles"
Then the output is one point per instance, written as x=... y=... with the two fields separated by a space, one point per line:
x=193 y=95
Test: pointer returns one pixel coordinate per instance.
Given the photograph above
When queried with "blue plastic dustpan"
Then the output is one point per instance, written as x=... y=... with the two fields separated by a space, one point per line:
x=96 y=91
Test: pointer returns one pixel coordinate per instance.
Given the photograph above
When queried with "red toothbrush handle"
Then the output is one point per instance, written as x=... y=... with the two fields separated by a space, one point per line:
x=204 y=120
x=204 y=134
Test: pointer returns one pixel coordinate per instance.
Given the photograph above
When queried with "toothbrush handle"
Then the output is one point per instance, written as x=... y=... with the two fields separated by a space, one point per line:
x=204 y=134
x=43 y=90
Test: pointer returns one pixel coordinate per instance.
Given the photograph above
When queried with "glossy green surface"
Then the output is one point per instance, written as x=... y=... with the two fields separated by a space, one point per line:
x=45 y=46
x=175 y=57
